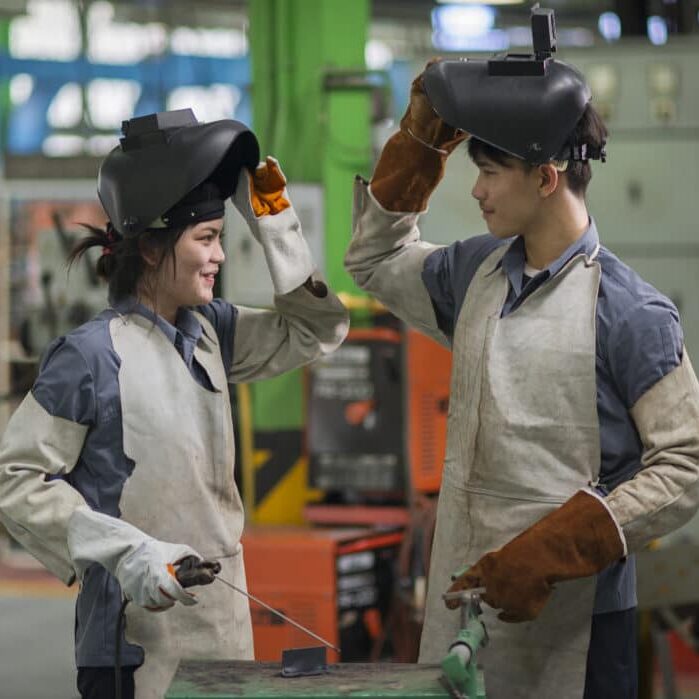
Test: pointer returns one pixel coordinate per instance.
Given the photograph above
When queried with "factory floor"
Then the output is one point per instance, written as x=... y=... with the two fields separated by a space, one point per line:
x=36 y=632
x=36 y=645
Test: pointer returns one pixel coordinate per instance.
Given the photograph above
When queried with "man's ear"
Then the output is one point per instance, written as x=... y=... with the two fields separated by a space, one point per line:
x=549 y=177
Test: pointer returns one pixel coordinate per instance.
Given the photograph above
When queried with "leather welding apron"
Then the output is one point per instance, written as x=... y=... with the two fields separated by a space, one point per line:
x=182 y=490
x=523 y=438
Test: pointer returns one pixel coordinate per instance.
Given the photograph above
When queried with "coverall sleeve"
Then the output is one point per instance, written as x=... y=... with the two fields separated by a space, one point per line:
x=299 y=329
x=664 y=494
x=386 y=258
x=38 y=447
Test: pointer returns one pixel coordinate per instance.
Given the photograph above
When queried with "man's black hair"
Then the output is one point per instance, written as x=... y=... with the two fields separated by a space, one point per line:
x=590 y=129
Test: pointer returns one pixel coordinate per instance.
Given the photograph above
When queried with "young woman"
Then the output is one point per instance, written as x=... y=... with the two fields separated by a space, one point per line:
x=119 y=462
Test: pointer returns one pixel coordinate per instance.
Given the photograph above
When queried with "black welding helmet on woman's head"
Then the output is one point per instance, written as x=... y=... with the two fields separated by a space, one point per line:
x=527 y=105
x=168 y=166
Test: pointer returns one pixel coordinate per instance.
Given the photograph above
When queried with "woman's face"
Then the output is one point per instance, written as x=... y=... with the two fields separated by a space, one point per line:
x=188 y=279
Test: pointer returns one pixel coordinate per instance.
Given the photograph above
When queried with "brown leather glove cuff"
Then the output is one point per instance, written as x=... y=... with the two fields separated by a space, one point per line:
x=406 y=174
x=580 y=538
x=577 y=540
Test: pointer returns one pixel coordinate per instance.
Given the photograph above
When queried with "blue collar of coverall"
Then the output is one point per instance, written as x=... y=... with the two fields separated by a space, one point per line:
x=514 y=260
x=186 y=322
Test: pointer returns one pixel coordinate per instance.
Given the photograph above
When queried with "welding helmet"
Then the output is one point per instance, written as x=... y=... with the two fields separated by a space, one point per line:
x=170 y=170
x=527 y=105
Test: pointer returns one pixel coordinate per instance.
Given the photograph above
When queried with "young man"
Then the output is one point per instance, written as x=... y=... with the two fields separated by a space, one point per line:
x=573 y=434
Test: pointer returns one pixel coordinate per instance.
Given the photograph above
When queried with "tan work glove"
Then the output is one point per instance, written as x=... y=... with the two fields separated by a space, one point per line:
x=577 y=540
x=263 y=201
x=268 y=195
x=144 y=566
x=412 y=162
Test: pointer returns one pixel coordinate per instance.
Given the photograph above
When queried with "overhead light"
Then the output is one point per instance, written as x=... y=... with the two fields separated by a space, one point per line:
x=110 y=102
x=457 y=21
x=100 y=145
x=217 y=101
x=49 y=31
x=63 y=145
x=480 y=2
x=463 y=28
x=21 y=88
x=657 y=30
x=66 y=108
x=378 y=55
x=609 y=25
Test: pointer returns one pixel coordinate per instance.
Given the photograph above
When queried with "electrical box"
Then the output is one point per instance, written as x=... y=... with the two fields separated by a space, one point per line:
x=355 y=415
x=377 y=415
x=336 y=582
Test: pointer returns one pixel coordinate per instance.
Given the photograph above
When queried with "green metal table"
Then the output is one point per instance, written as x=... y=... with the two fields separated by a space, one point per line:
x=235 y=679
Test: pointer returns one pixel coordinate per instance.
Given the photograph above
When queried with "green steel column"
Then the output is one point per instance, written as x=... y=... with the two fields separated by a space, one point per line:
x=320 y=134
x=4 y=90
x=5 y=265
x=294 y=45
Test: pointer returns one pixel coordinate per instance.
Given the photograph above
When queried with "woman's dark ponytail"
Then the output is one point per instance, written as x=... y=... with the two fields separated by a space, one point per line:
x=111 y=242
x=121 y=263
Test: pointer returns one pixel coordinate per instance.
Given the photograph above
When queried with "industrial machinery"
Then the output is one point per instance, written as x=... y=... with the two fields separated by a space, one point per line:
x=335 y=581
x=68 y=298
x=377 y=411
x=355 y=416
x=42 y=299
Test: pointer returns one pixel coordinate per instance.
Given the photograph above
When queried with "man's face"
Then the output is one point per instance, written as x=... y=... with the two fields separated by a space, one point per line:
x=507 y=195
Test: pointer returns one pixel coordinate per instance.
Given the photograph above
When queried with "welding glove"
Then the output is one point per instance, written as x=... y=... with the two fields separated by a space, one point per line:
x=143 y=565
x=577 y=540
x=412 y=162
x=263 y=201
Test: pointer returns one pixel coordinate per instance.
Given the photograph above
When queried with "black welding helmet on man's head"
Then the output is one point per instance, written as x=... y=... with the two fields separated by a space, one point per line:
x=527 y=105
x=171 y=170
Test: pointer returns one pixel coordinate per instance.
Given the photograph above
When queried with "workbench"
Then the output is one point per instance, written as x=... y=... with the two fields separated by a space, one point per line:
x=236 y=679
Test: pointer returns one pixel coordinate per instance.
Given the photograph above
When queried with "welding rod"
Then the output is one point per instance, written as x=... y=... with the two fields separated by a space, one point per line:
x=279 y=614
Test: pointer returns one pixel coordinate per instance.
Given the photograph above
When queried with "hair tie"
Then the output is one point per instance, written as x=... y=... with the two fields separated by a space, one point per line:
x=113 y=238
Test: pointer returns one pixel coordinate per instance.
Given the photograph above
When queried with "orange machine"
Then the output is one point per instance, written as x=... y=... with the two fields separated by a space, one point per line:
x=336 y=582
x=427 y=384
